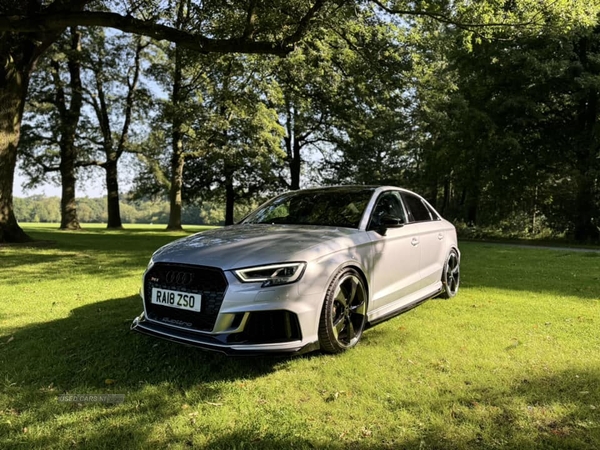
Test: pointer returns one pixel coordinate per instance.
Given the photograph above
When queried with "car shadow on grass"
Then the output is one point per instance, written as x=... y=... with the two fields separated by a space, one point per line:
x=93 y=351
x=94 y=343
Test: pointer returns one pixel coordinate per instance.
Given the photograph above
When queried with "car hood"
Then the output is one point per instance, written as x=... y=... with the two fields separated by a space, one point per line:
x=249 y=245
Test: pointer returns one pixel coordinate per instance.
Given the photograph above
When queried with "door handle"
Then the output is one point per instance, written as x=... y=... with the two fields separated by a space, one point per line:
x=415 y=241
x=440 y=236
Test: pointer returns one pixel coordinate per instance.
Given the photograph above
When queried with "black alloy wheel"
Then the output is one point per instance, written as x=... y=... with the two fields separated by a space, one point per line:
x=451 y=275
x=344 y=313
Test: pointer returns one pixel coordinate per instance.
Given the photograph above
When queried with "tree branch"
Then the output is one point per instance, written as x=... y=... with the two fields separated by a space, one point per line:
x=90 y=163
x=447 y=19
x=39 y=160
x=132 y=86
x=49 y=22
x=304 y=24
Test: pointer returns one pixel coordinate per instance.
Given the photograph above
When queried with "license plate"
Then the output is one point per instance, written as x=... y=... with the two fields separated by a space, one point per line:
x=176 y=299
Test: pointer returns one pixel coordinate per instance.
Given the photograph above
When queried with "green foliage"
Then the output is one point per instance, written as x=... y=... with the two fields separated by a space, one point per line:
x=231 y=136
x=504 y=126
x=37 y=209
x=488 y=108
x=40 y=209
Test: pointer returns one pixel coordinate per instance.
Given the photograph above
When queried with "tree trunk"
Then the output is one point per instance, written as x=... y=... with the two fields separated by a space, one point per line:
x=586 y=149
x=68 y=204
x=585 y=230
x=295 y=166
x=446 y=199
x=18 y=53
x=14 y=80
x=229 y=197
x=112 y=199
x=433 y=192
x=68 y=151
x=472 y=207
x=177 y=163
x=293 y=147
x=177 y=158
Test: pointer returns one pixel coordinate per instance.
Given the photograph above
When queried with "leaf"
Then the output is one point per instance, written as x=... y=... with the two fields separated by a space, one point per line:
x=109 y=381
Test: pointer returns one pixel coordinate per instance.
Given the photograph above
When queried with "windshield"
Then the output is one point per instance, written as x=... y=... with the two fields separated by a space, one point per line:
x=336 y=207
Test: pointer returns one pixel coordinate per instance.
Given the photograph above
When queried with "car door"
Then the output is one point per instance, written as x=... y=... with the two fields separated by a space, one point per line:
x=395 y=256
x=431 y=238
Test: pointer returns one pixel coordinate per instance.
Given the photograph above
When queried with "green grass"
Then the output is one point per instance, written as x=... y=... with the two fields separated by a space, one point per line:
x=512 y=362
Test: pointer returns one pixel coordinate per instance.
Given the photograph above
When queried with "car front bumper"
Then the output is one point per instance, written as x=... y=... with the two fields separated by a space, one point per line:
x=249 y=319
x=218 y=342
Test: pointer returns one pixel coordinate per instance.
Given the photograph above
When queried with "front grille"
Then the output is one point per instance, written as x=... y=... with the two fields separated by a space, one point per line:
x=209 y=282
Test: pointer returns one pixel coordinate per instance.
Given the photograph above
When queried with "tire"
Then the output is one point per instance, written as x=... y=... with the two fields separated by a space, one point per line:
x=344 y=313
x=451 y=275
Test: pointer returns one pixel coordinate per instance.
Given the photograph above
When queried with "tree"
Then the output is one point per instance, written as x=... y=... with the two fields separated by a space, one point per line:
x=178 y=97
x=46 y=129
x=369 y=129
x=584 y=131
x=237 y=138
x=112 y=65
x=115 y=66
x=18 y=53
x=306 y=83
x=515 y=131
x=29 y=27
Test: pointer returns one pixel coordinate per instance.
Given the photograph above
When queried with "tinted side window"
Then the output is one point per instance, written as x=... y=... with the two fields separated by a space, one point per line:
x=417 y=210
x=389 y=203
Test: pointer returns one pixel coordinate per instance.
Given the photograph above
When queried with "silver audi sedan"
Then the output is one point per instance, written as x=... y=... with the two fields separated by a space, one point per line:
x=309 y=269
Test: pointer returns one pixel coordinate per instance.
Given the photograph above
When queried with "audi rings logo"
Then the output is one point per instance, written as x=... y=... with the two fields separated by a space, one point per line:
x=179 y=278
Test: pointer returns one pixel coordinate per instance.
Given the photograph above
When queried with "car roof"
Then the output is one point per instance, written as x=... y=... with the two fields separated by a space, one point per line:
x=357 y=187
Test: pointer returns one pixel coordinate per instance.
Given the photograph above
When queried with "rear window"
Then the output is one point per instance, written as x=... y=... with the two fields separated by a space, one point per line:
x=417 y=209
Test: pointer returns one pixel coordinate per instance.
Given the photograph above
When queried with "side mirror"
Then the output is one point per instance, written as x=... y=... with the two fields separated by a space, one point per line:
x=388 y=221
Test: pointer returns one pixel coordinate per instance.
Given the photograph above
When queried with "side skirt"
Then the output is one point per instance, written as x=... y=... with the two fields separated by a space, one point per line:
x=403 y=309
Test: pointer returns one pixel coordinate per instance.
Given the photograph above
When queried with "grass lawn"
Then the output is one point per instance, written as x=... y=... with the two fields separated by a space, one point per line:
x=512 y=362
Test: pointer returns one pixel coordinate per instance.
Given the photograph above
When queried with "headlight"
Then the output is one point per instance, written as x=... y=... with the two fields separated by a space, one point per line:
x=273 y=274
x=150 y=264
